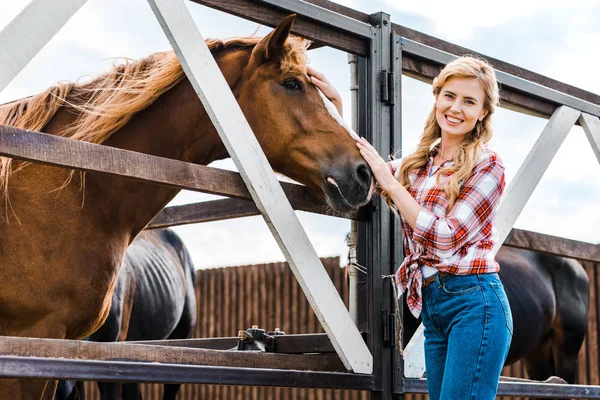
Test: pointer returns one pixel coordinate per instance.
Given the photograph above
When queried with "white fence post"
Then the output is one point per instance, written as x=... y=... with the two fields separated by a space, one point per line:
x=227 y=117
x=29 y=32
x=591 y=126
x=529 y=175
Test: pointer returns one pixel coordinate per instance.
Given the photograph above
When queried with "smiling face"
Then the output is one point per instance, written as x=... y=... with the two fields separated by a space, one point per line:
x=459 y=105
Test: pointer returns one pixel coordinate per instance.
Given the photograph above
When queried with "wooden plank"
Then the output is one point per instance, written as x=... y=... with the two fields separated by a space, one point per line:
x=531 y=171
x=229 y=121
x=324 y=16
x=29 y=32
x=553 y=245
x=271 y=16
x=425 y=71
x=81 y=350
x=591 y=127
x=532 y=89
x=59 y=151
x=459 y=50
x=300 y=197
x=125 y=371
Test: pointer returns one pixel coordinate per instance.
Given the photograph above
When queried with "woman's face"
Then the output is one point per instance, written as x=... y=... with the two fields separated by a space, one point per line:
x=459 y=106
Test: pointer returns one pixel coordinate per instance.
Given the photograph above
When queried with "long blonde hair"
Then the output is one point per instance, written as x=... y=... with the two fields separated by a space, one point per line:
x=466 y=155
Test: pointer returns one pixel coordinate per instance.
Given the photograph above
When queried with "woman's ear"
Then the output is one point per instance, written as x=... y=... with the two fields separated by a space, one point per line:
x=484 y=114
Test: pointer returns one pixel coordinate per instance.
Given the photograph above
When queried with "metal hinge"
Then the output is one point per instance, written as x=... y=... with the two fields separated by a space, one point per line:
x=388 y=324
x=386 y=80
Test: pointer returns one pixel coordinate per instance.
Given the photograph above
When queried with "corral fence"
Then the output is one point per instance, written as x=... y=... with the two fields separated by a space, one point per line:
x=385 y=51
x=228 y=300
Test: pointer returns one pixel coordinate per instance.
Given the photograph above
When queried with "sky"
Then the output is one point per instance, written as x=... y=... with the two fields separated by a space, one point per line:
x=558 y=39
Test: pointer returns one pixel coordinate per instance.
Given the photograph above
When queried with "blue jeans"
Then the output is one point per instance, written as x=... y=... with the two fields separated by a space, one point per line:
x=468 y=329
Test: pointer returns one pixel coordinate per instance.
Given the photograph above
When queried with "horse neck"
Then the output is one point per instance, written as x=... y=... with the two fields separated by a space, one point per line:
x=175 y=126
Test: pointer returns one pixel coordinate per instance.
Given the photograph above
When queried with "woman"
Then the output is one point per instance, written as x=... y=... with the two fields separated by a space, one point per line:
x=446 y=194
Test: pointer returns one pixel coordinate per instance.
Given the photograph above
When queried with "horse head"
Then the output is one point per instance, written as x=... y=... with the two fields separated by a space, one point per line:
x=298 y=128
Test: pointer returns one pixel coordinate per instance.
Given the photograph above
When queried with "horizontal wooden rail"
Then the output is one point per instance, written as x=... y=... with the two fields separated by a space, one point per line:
x=289 y=344
x=553 y=245
x=58 y=151
x=123 y=371
x=325 y=31
x=533 y=389
x=84 y=350
x=218 y=210
x=233 y=208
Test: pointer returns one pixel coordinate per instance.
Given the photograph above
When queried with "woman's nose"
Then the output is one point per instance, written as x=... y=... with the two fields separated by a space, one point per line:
x=455 y=106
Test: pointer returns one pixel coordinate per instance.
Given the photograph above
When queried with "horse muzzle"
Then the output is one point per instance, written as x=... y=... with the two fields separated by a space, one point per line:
x=349 y=191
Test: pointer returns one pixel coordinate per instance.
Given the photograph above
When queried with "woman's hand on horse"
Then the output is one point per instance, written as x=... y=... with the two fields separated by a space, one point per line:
x=321 y=81
x=381 y=170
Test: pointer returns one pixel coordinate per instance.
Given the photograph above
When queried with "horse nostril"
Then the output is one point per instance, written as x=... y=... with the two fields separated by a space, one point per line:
x=364 y=174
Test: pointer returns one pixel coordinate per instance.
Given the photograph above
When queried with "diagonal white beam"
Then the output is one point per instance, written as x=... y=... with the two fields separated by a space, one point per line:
x=515 y=198
x=29 y=32
x=591 y=127
x=529 y=175
x=226 y=115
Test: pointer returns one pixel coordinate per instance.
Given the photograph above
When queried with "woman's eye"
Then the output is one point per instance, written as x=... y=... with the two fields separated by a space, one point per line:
x=448 y=96
x=292 y=85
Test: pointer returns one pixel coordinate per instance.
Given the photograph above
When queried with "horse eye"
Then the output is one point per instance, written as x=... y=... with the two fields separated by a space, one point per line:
x=292 y=85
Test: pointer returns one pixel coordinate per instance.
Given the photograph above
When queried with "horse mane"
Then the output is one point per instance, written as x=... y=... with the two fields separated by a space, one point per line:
x=108 y=102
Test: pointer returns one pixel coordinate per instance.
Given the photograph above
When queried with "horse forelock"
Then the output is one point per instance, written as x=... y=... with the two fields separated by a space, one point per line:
x=108 y=102
x=295 y=57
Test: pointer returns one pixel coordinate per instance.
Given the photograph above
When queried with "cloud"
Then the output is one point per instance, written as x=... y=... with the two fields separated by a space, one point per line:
x=457 y=21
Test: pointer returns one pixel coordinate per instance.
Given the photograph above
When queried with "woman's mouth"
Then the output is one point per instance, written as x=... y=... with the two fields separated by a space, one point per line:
x=453 y=120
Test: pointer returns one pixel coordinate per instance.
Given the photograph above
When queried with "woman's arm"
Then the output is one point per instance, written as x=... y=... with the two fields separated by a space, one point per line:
x=444 y=236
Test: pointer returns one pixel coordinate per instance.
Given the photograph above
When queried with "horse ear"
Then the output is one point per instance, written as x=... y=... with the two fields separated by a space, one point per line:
x=277 y=38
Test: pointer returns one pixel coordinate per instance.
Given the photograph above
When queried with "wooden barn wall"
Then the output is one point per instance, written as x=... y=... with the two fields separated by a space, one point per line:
x=267 y=295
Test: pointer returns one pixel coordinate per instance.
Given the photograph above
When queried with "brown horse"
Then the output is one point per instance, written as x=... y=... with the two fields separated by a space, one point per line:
x=62 y=244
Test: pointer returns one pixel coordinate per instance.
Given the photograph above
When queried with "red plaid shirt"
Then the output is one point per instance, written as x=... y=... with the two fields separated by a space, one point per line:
x=458 y=241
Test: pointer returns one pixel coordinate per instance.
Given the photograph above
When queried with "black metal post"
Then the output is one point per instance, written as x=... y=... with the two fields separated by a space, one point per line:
x=376 y=237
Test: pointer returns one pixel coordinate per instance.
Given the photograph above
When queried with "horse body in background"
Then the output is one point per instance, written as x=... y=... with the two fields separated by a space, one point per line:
x=154 y=299
x=549 y=300
x=61 y=259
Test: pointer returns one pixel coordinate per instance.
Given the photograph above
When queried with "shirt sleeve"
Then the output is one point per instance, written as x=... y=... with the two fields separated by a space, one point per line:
x=472 y=210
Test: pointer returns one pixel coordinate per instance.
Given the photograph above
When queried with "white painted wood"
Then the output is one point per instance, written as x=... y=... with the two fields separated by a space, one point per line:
x=29 y=32
x=224 y=111
x=414 y=355
x=532 y=170
x=591 y=127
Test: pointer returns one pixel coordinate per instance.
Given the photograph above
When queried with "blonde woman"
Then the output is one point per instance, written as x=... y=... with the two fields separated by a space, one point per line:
x=446 y=194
